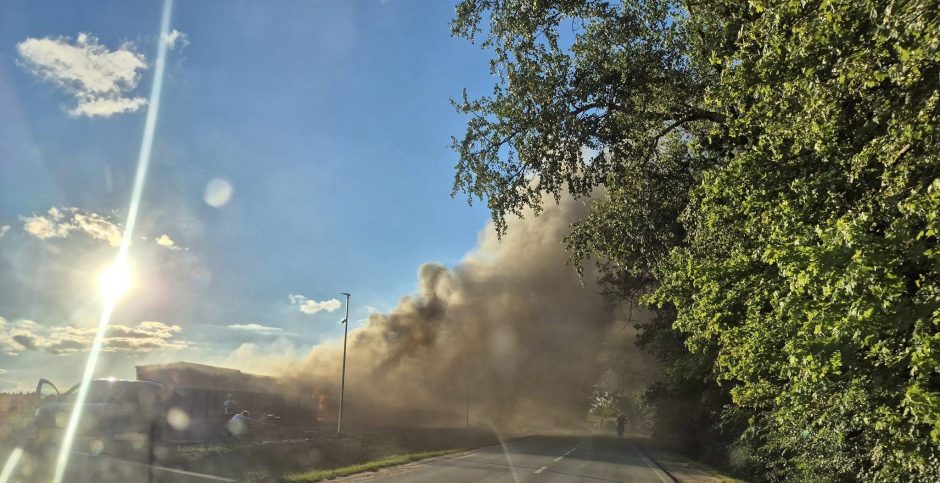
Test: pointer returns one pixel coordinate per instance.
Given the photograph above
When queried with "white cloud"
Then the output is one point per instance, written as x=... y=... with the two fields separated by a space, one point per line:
x=3 y=230
x=61 y=223
x=97 y=77
x=165 y=241
x=255 y=328
x=308 y=306
x=312 y=306
x=174 y=37
x=27 y=335
x=105 y=107
x=46 y=227
x=98 y=228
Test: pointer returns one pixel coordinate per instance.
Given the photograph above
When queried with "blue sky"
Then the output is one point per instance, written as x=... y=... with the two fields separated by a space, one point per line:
x=330 y=120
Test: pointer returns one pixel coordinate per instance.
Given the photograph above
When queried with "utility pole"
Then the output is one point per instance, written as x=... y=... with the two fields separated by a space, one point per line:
x=342 y=383
x=468 y=403
x=466 y=371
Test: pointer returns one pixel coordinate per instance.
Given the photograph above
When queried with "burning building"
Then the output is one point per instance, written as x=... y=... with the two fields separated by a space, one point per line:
x=201 y=390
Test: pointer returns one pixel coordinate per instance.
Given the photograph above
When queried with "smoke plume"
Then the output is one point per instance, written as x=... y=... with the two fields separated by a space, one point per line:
x=511 y=329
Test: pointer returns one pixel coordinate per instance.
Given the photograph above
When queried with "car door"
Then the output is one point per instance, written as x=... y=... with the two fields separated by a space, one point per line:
x=46 y=391
x=126 y=417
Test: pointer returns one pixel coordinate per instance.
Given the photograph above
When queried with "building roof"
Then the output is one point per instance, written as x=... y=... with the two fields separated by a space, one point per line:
x=189 y=374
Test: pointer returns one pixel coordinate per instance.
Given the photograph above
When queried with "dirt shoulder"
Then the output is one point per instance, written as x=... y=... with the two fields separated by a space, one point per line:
x=682 y=469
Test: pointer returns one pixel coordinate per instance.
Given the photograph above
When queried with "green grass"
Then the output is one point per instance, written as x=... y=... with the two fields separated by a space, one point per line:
x=319 y=475
x=200 y=450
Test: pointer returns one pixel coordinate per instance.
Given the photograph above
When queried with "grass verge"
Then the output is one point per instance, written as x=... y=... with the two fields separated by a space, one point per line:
x=319 y=475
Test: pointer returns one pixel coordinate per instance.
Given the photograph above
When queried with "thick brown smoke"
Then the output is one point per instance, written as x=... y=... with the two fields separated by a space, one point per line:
x=512 y=327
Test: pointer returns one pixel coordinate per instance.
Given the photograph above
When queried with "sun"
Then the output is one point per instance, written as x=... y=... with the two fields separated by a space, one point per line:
x=115 y=280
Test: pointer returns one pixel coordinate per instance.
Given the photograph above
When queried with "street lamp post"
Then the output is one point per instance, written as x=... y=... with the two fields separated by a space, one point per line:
x=468 y=403
x=466 y=371
x=342 y=384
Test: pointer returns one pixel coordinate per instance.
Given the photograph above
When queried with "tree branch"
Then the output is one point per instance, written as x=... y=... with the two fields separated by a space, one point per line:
x=698 y=116
x=610 y=106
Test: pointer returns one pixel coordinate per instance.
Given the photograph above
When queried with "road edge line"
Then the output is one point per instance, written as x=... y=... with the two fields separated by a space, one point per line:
x=654 y=465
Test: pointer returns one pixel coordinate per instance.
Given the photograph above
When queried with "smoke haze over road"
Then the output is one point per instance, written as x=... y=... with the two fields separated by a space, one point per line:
x=512 y=324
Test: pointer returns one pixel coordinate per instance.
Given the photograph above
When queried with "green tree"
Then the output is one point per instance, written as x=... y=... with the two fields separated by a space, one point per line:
x=770 y=182
x=811 y=266
x=593 y=94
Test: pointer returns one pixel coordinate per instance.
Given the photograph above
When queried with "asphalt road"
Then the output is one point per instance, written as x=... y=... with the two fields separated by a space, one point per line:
x=535 y=459
x=87 y=468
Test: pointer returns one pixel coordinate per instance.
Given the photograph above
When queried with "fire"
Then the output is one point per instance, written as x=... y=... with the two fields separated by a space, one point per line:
x=321 y=405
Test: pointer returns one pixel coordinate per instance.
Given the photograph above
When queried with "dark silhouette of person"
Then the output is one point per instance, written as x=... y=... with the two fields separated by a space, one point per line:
x=621 y=425
x=229 y=407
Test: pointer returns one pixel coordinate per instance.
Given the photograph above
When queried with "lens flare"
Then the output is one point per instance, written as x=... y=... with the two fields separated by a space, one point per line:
x=10 y=465
x=178 y=419
x=116 y=282
x=218 y=192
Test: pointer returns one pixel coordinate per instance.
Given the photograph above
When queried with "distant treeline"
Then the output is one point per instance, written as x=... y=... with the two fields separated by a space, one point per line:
x=16 y=410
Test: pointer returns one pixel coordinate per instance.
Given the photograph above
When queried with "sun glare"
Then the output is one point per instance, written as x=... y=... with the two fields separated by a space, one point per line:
x=115 y=280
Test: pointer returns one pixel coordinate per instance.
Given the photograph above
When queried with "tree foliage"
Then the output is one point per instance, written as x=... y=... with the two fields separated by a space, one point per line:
x=583 y=87
x=769 y=177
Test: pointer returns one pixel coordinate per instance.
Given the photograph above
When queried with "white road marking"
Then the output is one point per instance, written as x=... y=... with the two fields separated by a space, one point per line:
x=652 y=465
x=468 y=455
x=560 y=457
x=572 y=450
x=541 y=469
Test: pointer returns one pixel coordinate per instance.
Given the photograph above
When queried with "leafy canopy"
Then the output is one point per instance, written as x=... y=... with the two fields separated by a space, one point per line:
x=767 y=175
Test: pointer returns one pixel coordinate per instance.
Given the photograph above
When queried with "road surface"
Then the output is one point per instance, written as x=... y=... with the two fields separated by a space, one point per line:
x=537 y=459
x=87 y=468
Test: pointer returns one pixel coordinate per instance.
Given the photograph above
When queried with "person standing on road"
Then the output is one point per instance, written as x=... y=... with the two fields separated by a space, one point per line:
x=621 y=425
